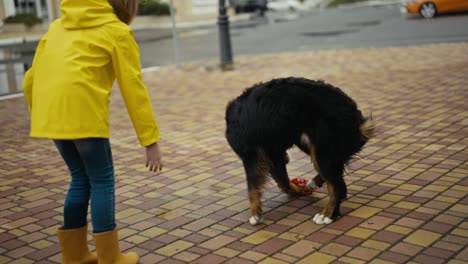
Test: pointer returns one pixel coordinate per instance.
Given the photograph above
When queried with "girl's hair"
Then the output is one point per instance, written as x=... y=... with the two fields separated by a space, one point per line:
x=124 y=9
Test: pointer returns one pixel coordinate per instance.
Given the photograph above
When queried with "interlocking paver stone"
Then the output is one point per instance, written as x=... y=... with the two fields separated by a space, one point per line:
x=407 y=194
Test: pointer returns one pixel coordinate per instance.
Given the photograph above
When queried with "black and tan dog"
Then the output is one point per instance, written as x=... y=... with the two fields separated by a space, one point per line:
x=269 y=118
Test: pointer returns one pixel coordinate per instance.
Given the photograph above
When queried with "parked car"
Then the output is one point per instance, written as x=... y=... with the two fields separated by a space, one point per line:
x=431 y=8
x=248 y=5
x=284 y=5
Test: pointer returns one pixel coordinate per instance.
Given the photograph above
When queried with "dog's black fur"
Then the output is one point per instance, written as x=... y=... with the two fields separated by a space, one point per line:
x=269 y=118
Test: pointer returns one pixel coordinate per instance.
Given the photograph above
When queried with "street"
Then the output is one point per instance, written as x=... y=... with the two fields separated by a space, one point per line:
x=358 y=27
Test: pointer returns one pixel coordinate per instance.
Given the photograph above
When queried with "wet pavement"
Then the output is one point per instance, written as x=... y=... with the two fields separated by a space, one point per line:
x=407 y=200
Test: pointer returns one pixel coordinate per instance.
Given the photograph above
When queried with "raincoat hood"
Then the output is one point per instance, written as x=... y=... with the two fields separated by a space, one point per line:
x=78 y=14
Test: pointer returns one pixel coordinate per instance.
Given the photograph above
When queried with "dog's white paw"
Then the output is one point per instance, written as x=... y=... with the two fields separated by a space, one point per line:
x=255 y=220
x=311 y=185
x=321 y=219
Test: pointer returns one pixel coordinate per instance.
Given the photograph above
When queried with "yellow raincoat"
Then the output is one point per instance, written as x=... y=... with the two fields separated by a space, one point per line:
x=75 y=65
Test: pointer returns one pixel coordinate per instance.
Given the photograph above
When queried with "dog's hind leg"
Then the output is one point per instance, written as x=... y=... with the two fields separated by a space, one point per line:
x=332 y=174
x=256 y=170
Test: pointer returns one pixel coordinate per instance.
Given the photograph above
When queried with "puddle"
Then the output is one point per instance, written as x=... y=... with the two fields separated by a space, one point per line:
x=364 y=23
x=328 y=33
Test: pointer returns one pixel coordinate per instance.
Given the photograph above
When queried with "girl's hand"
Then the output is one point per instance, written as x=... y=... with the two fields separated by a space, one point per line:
x=153 y=157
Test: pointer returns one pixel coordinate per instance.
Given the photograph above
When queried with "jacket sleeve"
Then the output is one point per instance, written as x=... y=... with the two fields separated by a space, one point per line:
x=126 y=63
x=29 y=76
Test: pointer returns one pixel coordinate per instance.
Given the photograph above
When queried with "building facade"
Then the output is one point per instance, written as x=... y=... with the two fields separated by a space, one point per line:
x=48 y=10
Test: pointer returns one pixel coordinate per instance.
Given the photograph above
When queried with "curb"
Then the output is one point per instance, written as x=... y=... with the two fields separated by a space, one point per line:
x=185 y=25
x=166 y=25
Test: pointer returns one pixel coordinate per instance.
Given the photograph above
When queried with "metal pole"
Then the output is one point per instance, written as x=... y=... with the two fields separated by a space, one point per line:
x=224 y=38
x=175 y=40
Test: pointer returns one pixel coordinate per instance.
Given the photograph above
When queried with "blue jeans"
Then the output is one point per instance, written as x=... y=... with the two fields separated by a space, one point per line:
x=92 y=171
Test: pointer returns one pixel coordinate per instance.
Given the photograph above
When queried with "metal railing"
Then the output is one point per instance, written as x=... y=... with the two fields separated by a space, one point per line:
x=16 y=56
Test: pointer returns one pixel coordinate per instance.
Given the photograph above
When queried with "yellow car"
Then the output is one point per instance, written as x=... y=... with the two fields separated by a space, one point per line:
x=430 y=8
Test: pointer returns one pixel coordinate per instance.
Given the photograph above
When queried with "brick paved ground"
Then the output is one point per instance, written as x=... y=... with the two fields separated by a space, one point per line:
x=407 y=195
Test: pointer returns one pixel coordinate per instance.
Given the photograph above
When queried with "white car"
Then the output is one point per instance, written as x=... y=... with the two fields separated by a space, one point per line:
x=284 y=5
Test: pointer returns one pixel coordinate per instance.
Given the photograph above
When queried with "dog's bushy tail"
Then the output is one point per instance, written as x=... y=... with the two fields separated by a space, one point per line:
x=368 y=128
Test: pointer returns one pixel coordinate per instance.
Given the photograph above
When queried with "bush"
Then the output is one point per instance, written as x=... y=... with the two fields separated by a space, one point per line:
x=153 y=7
x=28 y=19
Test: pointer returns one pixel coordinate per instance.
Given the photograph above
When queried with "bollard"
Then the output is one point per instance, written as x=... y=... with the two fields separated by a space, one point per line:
x=224 y=38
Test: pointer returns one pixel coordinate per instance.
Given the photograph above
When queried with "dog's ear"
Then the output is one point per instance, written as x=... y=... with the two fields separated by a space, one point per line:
x=230 y=110
x=226 y=115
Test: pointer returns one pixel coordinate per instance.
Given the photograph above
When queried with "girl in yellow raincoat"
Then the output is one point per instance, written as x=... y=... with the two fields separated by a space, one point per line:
x=67 y=90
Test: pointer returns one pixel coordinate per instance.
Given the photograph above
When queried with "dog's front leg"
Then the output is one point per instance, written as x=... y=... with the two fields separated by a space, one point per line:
x=337 y=192
x=316 y=182
x=326 y=216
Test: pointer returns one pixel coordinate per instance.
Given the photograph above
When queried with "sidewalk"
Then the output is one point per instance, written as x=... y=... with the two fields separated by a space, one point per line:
x=407 y=199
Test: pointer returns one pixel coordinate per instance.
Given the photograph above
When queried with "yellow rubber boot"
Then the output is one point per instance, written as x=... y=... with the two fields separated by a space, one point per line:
x=108 y=250
x=74 y=246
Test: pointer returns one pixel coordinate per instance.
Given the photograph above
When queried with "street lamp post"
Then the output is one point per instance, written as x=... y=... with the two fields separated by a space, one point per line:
x=224 y=38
